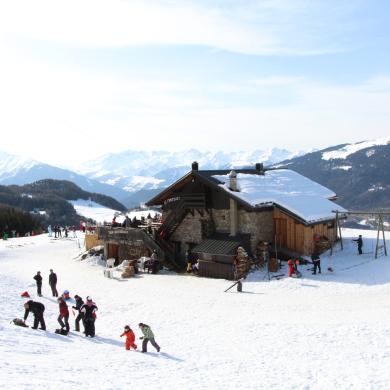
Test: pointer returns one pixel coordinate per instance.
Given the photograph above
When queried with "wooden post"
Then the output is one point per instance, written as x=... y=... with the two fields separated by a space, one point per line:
x=338 y=229
x=381 y=227
x=384 y=238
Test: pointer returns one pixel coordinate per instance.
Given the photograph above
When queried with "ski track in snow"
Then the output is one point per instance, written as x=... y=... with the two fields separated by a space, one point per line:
x=319 y=332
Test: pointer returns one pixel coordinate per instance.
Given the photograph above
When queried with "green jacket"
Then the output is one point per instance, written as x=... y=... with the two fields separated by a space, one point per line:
x=148 y=334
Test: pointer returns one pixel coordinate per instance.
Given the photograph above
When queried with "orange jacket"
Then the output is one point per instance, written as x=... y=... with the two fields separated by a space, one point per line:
x=130 y=336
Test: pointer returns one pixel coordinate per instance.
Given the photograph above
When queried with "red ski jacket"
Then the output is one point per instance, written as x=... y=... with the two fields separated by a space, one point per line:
x=64 y=311
x=130 y=336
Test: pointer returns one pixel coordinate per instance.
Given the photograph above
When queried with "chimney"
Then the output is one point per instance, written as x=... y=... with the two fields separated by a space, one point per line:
x=259 y=167
x=233 y=181
x=233 y=204
x=195 y=166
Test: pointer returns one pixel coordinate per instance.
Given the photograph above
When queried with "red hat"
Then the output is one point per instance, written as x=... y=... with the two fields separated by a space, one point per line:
x=25 y=294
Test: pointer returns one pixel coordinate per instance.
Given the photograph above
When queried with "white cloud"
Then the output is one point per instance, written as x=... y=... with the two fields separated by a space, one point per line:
x=252 y=27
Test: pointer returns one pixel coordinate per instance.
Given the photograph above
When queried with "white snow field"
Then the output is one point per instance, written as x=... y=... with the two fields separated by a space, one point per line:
x=328 y=331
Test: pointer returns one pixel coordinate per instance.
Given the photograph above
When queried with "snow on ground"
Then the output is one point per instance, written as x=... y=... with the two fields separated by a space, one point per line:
x=101 y=214
x=328 y=331
x=93 y=210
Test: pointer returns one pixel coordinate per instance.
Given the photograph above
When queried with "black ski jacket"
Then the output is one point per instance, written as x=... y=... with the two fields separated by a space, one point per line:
x=35 y=307
x=79 y=304
x=89 y=311
x=38 y=279
x=52 y=279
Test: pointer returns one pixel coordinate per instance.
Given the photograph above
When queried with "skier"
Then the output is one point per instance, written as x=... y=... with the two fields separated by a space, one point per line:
x=80 y=316
x=359 y=242
x=38 y=280
x=89 y=310
x=49 y=231
x=147 y=336
x=53 y=283
x=37 y=309
x=64 y=314
x=130 y=338
x=315 y=258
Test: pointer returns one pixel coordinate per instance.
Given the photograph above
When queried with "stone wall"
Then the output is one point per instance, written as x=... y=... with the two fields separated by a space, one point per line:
x=190 y=230
x=222 y=220
x=260 y=225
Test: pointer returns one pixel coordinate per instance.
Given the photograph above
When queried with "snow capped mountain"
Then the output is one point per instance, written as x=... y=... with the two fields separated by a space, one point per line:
x=135 y=170
x=348 y=149
x=358 y=172
x=21 y=170
x=11 y=165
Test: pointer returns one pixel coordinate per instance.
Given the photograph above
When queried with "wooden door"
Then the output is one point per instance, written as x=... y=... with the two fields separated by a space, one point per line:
x=281 y=231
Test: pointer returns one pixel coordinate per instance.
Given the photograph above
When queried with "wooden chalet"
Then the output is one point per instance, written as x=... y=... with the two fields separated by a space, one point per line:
x=213 y=212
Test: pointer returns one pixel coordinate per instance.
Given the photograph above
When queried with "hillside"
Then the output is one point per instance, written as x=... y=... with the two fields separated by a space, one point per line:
x=22 y=222
x=358 y=173
x=53 y=196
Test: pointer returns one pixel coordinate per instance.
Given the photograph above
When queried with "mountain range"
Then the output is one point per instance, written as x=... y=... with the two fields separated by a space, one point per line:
x=131 y=176
x=357 y=172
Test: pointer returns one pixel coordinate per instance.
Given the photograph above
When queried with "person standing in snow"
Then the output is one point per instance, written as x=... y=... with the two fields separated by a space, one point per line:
x=38 y=280
x=64 y=314
x=155 y=264
x=89 y=310
x=315 y=258
x=80 y=316
x=359 y=242
x=147 y=336
x=49 y=231
x=37 y=309
x=130 y=338
x=53 y=283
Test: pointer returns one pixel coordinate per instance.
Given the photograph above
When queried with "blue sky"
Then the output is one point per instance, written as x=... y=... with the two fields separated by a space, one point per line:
x=113 y=75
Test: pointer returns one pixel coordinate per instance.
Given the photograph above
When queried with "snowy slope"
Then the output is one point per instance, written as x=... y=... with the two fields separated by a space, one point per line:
x=328 y=331
x=101 y=214
x=349 y=149
x=93 y=210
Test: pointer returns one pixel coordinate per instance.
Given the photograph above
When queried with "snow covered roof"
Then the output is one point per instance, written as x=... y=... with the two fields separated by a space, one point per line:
x=287 y=189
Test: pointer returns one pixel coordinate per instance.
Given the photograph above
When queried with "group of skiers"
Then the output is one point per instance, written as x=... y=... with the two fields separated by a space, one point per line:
x=86 y=311
x=86 y=314
x=57 y=230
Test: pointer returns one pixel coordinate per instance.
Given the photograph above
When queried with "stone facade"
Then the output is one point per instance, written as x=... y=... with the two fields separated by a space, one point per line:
x=190 y=230
x=259 y=225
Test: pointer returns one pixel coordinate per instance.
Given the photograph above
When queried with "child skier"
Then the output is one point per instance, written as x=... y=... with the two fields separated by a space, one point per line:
x=130 y=338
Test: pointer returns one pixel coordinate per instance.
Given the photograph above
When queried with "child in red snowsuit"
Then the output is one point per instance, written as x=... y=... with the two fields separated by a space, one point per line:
x=130 y=338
